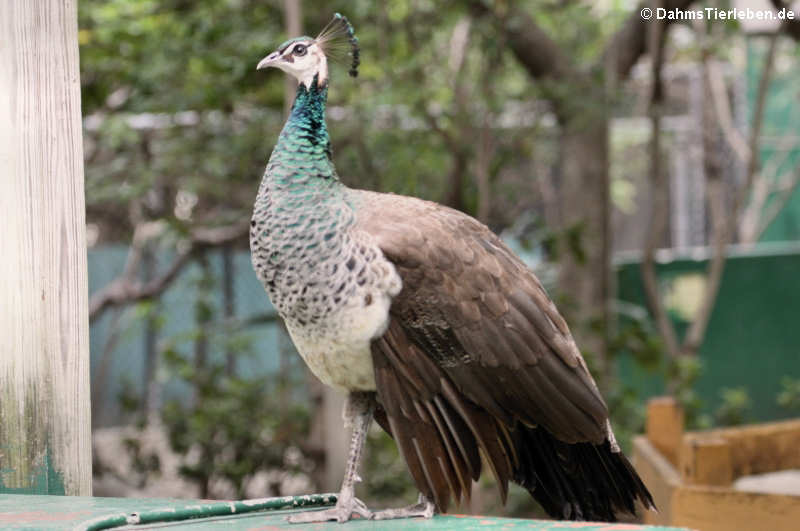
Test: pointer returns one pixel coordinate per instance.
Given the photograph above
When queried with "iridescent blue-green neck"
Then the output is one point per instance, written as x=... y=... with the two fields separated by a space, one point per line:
x=302 y=156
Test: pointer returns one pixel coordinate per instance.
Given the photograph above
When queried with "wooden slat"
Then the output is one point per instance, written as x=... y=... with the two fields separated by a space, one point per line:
x=698 y=493
x=664 y=426
x=719 y=509
x=660 y=477
x=45 y=442
x=761 y=448
x=706 y=461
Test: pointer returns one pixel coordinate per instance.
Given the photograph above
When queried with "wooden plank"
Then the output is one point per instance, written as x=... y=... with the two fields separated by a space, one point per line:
x=664 y=426
x=720 y=509
x=706 y=461
x=660 y=477
x=761 y=448
x=45 y=441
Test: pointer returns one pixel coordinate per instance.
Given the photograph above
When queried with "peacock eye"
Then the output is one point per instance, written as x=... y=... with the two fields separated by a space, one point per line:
x=299 y=50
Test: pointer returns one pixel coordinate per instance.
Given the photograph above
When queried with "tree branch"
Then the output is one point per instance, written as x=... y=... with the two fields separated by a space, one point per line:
x=755 y=129
x=533 y=48
x=786 y=190
x=753 y=218
x=789 y=27
x=543 y=58
x=724 y=220
x=630 y=42
x=755 y=185
x=720 y=232
x=126 y=289
x=660 y=192
x=719 y=94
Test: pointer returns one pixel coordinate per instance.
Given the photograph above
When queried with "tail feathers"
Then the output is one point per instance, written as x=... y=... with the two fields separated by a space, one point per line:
x=580 y=481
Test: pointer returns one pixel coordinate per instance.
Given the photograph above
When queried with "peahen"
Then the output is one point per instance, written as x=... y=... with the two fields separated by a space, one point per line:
x=430 y=324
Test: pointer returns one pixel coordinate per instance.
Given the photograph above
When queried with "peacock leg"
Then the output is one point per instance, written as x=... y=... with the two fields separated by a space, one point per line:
x=424 y=508
x=358 y=414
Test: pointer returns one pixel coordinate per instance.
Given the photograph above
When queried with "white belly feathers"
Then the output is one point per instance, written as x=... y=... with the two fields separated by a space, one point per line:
x=339 y=352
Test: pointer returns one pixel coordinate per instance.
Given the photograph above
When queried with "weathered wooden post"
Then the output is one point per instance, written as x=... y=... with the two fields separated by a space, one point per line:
x=44 y=329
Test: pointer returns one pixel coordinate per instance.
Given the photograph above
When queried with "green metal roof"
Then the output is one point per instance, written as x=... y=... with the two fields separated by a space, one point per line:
x=42 y=513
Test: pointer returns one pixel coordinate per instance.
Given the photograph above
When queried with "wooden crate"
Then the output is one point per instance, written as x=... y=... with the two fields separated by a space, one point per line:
x=691 y=473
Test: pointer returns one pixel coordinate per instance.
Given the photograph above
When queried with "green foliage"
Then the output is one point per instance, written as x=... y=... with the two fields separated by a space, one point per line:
x=627 y=411
x=144 y=464
x=175 y=107
x=173 y=55
x=386 y=478
x=568 y=242
x=229 y=433
x=142 y=64
x=735 y=407
x=789 y=396
x=682 y=374
x=635 y=336
x=226 y=427
x=128 y=398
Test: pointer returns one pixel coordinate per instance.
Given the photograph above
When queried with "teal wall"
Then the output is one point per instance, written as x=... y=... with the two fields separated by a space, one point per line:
x=753 y=337
x=177 y=324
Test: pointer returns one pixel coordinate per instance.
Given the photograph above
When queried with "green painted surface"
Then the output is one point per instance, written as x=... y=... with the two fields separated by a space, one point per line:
x=753 y=337
x=18 y=512
x=42 y=478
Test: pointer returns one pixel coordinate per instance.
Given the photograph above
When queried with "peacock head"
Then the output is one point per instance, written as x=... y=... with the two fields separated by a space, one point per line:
x=306 y=58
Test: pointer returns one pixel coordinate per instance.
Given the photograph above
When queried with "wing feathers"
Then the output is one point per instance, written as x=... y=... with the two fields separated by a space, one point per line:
x=437 y=419
x=484 y=429
x=525 y=342
x=477 y=360
x=458 y=465
x=532 y=310
x=463 y=439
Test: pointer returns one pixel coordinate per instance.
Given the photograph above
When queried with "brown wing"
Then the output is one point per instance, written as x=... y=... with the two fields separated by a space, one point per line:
x=475 y=356
x=485 y=320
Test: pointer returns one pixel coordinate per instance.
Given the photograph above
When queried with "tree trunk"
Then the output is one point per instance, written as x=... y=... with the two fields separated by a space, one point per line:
x=150 y=406
x=202 y=318
x=229 y=303
x=583 y=193
x=45 y=438
x=580 y=101
x=454 y=196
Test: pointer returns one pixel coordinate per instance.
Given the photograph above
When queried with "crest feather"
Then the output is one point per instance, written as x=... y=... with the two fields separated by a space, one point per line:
x=336 y=37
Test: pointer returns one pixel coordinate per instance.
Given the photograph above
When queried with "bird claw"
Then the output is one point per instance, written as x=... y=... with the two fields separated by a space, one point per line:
x=344 y=511
x=423 y=509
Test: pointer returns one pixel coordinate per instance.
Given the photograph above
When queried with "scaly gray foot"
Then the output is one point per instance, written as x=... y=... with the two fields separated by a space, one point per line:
x=423 y=508
x=344 y=511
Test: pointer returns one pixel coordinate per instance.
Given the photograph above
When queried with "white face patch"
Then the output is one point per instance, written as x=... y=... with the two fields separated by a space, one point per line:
x=304 y=60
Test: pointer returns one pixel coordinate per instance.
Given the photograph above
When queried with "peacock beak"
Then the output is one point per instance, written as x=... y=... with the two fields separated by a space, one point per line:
x=269 y=60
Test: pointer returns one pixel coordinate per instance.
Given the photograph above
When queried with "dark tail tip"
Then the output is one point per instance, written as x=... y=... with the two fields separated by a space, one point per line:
x=581 y=481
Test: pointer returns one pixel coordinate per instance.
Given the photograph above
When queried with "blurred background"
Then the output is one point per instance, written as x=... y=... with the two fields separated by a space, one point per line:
x=646 y=170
